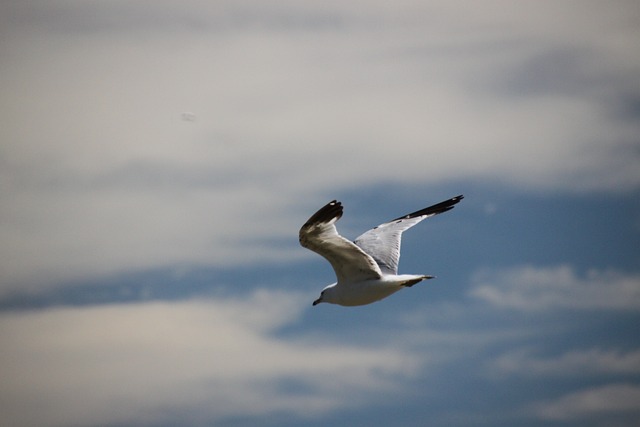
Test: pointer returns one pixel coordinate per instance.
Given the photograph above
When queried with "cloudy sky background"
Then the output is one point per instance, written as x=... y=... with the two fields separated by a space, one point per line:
x=157 y=159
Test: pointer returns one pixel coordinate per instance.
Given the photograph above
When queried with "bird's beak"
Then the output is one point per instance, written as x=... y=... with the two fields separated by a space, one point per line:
x=318 y=301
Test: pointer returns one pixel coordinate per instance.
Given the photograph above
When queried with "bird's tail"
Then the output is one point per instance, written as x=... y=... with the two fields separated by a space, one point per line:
x=418 y=279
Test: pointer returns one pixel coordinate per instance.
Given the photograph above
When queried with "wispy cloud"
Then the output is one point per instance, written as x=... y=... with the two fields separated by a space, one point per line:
x=604 y=402
x=594 y=361
x=202 y=361
x=205 y=360
x=100 y=174
x=542 y=288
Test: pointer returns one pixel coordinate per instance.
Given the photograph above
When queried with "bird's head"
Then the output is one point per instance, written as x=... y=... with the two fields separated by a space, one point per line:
x=326 y=295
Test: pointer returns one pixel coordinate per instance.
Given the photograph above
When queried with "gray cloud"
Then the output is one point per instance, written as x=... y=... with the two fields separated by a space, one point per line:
x=593 y=361
x=99 y=174
x=205 y=360
x=602 y=403
x=213 y=359
x=532 y=288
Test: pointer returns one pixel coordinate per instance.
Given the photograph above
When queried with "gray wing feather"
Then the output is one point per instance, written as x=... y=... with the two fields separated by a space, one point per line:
x=383 y=241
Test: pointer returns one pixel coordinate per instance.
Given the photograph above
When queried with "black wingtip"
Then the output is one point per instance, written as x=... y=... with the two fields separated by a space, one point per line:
x=438 y=208
x=331 y=210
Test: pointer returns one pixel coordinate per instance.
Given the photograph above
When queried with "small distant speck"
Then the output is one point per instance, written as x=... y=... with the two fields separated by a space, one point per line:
x=188 y=116
x=490 y=208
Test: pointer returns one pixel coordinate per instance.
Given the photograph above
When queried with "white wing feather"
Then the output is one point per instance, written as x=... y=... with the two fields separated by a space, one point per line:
x=350 y=262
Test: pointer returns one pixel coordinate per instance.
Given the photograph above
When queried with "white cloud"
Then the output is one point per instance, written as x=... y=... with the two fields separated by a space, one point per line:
x=99 y=173
x=600 y=401
x=533 y=288
x=201 y=361
x=595 y=361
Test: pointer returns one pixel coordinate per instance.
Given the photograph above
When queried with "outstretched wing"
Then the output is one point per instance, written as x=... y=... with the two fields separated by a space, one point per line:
x=383 y=241
x=350 y=263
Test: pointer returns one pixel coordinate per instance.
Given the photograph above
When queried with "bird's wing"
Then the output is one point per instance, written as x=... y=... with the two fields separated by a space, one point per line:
x=383 y=241
x=350 y=263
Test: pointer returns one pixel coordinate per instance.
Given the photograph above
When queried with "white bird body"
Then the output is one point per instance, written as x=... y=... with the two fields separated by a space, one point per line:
x=366 y=269
x=367 y=291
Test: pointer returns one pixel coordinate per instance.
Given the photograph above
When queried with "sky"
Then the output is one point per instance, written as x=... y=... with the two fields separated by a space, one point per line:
x=157 y=159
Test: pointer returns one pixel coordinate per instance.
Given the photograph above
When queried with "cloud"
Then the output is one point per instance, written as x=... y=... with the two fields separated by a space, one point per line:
x=534 y=288
x=594 y=361
x=99 y=173
x=600 y=401
x=198 y=361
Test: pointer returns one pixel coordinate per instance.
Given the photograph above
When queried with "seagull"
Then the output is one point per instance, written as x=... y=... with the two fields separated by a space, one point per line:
x=367 y=268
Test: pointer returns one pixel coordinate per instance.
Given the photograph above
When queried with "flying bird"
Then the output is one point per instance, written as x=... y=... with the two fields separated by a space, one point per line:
x=367 y=268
